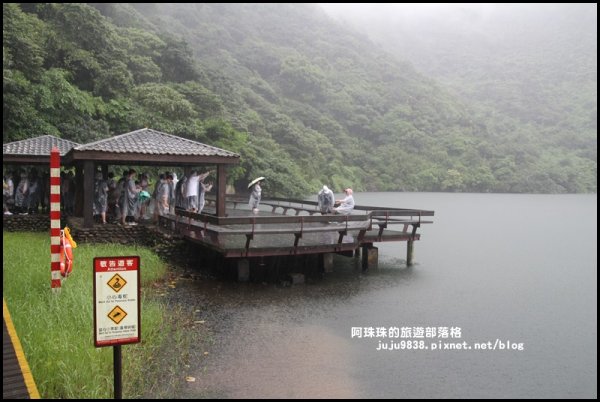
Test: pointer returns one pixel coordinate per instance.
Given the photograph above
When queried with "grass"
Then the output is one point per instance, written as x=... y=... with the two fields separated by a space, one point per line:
x=56 y=330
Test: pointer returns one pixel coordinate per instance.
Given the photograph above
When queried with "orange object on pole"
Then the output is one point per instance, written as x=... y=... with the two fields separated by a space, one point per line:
x=66 y=256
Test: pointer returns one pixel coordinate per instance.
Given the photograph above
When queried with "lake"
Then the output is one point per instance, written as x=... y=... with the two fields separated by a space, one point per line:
x=501 y=303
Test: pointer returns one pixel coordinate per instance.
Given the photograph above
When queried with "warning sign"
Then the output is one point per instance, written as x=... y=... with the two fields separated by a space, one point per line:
x=117 y=282
x=117 y=314
x=117 y=318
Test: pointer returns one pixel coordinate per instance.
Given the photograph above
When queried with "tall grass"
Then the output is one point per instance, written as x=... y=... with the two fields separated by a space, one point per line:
x=56 y=330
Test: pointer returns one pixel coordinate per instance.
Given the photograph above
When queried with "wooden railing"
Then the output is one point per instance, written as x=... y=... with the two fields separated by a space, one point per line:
x=363 y=219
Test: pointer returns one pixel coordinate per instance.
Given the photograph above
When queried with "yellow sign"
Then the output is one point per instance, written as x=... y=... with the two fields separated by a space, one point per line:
x=116 y=283
x=117 y=314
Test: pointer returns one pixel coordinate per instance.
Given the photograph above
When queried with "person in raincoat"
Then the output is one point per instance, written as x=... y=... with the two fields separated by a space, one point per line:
x=326 y=200
x=203 y=188
x=180 y=191
x=193 y=189
x=129 y=207
x=33 y=199
x=255 y=194
x=346 y=205
x=8 y=194
x=100 y=197
x=22 y=193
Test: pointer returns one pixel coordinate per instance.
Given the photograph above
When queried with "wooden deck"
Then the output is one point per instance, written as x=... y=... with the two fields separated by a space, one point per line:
x=273 y=232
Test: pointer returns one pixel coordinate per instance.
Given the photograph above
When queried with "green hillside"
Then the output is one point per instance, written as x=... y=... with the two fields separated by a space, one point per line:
x=529 y=72
x=305 y=101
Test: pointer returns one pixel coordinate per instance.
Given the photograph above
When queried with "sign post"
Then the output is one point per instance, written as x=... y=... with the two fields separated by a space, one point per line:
x=117 y=318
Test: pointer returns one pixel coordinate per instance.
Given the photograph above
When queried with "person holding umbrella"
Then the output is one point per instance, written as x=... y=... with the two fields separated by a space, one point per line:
x=255 y=194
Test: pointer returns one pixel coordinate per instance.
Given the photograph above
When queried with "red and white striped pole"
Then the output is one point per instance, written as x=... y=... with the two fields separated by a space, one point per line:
x=55 y=218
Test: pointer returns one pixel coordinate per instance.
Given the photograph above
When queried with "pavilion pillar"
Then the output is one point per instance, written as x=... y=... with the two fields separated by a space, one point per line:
x=78 y=207
x=221 y=189
x=104 y=168
x=88 y=193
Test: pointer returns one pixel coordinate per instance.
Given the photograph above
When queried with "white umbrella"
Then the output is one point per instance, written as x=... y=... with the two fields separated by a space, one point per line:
x=253 y=182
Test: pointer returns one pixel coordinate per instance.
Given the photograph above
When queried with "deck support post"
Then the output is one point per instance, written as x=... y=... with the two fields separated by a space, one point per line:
x=409 y=245
x=243 y=270
x=326 y=261
x=409 y=253
x=370 y=257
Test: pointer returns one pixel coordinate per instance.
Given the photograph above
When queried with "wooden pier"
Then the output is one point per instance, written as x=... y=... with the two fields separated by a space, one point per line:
x=288 y=227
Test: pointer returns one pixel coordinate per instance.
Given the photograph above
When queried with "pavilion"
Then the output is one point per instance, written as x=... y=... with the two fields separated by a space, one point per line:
x=144 y=147
x=34 y=151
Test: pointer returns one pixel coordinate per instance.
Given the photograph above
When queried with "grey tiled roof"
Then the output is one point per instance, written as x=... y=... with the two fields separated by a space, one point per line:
x=38 y=146
x=153 y=142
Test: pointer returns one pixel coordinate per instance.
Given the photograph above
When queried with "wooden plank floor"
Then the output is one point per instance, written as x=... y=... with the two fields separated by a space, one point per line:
x=17 y=382
x=13 y=384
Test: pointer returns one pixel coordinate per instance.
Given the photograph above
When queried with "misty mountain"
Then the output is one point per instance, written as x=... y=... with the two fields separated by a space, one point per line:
x=304 y=99
x=529 y=71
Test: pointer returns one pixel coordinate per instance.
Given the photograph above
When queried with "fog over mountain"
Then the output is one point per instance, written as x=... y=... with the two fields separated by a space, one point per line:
x=480 y=98
x=521 y=67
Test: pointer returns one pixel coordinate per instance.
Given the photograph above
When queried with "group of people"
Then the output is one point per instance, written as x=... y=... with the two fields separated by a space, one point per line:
x=31 y=192
x=120 y=200
x=128 y=200
x=192 y=191
x=327 y=203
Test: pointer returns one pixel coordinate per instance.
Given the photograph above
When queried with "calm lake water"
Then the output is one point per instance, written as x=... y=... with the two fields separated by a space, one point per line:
x=517 y=270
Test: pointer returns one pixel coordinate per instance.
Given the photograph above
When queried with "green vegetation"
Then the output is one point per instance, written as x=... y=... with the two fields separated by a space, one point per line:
x=526 y=71
x=56 y=330
x=302 y=99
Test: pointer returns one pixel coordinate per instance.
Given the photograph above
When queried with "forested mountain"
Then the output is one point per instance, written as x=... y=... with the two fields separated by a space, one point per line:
x=303 y=99
x=529 y=71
